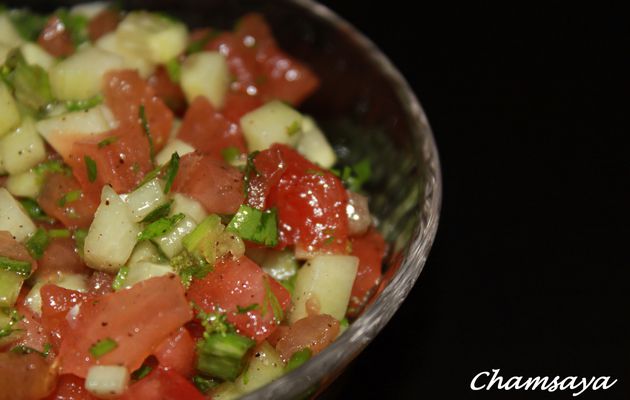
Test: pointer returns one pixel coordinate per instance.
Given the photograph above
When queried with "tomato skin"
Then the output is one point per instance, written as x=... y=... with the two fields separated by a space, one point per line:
x=55 y=39
x=217 y=186
x=370 y=249
x=240 y=283
x=75 y=214
x=70 y=387
x=60 y=257
x=11 y=248
x=56 y=303
x=208 y=131
x=137 y=319
x=177 y=352
x=170 y=92
x=311 y=202
x=163 y=384
x=100 y=283
x=104 y=22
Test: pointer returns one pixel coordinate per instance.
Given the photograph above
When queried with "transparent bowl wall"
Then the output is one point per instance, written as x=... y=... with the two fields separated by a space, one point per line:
x=368 y=110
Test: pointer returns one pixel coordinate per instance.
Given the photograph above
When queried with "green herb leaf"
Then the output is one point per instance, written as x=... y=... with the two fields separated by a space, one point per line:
x=171 y=172
x=90 y=165
x=58 y=233
x=76 y=25
x=51 y=167
x=141 y=372
x=29 y=82
x=145 y=126
x=121 y=277
x=19 y=267
x=213 y=323
x=160 y=227
x=204 y=384
x=79 y=239
x=103 y=347
x=107 y=141
x=22 y=349
x=35 y=211
x=9 y=328
x=36 y=244
x=160 y=212
x=356 y=176
x=255 y=225
x=222 y=356
x=154 y=173
x=298 y=358
x=69 y=198
x=174 y=69
x=189 y=266
x=27 y=24
x=230 y=154
x=250 y=171
x=294 y=128
x=245 y=310
x=272 y=301
x=289 y=283
x=81 y=105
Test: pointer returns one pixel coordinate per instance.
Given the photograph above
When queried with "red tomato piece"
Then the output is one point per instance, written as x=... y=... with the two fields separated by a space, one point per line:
x=60 y=256
x=25 y=376
x=70 y=387
x=311 y=202
x=11 y=248
x=35 y=336
x=55 y=39
x=241 y=283
x=370 y=249
x=100 y=283
x=269 y=167
x=137 y=319
x=217 y=186
x=163 y=384
x=56 y=303
x=104 y=22
x=238 y=104
x=315 y=332
x=72 y=214
x=177 y=352
x=241 y=60
x=167 y=90
x=208 y=131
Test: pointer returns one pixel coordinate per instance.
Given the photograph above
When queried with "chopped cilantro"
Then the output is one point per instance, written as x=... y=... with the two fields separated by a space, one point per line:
x=141 y=372
x=354 y=177
x=230 y=154
x=30 y=83
x=51 y=167
x=36 y=244
x=9 y=328
x=58 y=233
x=22 y=349
x=69 y=198
x=298 y=358
x=81 y=105
x=19 y=267
x=35 y=211
x=245 y=310
x=204 y=384
x=103 y=347
x=90 y=166
x=160 y=227
x=79 y=239
x=107 y=141
x=27 y=23
x=294 y=128
x=76 y=25
x=145 y=126
x=255 y=225
x=189 y=266
x=174 y=69
x=171 y=172
x=120 y=278
x=160 y=212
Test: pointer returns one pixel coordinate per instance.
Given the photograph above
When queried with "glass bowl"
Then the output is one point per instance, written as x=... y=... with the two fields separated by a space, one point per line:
x=368 y=110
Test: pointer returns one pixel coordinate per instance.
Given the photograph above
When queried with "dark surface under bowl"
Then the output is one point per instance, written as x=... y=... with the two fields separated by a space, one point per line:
x=368 y=111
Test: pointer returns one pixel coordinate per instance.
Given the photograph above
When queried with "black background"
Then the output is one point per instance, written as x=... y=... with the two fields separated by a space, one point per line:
x=529 y=272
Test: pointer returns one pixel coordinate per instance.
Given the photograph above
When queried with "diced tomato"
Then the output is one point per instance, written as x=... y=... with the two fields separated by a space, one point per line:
x=177 y=352
x=315 y=332
x=35 y=336
x=11 y=248
x=55 y=39
x=242 y=283
x=100 y=283
x=284 y=77
x=56 y=303
x=238 y=104
x=164 y=385
x=70 y=387
x=241 y=60
x=208 y=131
x=104 y=22
x=311 y=202
x=170 y=92
x=136 y=319
x=60 y=256
x=217 y=186
x=73 y=214
x=25 y=376
x=370 y=249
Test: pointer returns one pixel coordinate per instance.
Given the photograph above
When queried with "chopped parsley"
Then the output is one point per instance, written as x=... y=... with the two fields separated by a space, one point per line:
x=22 y=268
x=103 y=347
x=160 y=212
x=245 y=310
x=255 y=225
x=120 y=278
x=69 y=198
x=294 y=128
x=9 y=328
x=35 y=211
x=160 y=227
x=141 y=372
x=76 y=25
x=174 y=69
x=189 y=266
x=272 y=301
x=81 y=105
x=37 y=244
x=90 y=166
x=355 y=176
x=230 y=154
x=171 y=172
x=27 y=24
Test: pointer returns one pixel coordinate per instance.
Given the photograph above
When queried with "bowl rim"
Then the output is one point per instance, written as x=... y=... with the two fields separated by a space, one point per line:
x=335 y=357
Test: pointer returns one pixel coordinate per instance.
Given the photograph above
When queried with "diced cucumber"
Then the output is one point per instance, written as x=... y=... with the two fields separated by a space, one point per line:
x=206 y=74
x=80 y=76
x=89 y=10
x=144 y=251
x=112 y=235
x=131 y=60
x=144 y=270
x=274 y=122
x=107 y=381
x=9 y=113
x=171 y=242
x=265 y=365
x=8 y=34
x=280 y=265
x=13 y=218
x=22 y=149
x=327 y=280
x=226 y=391
x=314 y=146
x=4 y=52
x=152 y=36
x=145 y=199
x=174 y=146
x=24 y=184
x=188 y=206
x=35 y=55
x=62 y=131
x=10 y=285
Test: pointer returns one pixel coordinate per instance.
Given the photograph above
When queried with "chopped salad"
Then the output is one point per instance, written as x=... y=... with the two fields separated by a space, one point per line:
x=171 y=226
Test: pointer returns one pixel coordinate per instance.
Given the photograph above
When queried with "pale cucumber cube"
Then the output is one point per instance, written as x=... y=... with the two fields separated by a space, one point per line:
x=130 y=59
x=24 y=184
x=314 y=146
x=206 y=74
x=174 y=146
x=9 y=113
x=107 y=381
x=22 y=149
x=171 y=242
x=13 y=218
x=35 y=55
x=8 y=34
x=144 y=270
x=190 y=207
x=274 y=122
x=145 y=199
